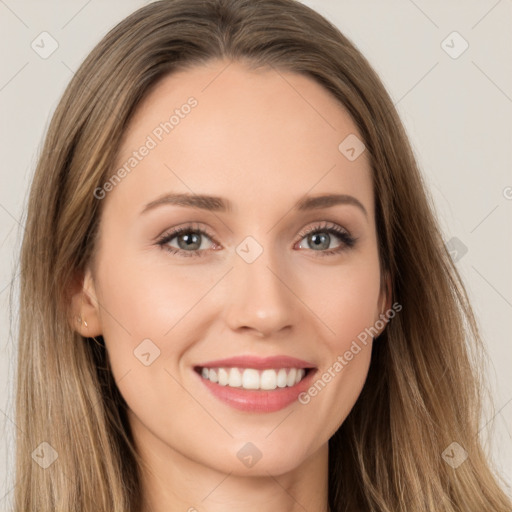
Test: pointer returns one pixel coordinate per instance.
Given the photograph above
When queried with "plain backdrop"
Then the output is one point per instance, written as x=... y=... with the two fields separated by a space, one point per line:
x=455 y=102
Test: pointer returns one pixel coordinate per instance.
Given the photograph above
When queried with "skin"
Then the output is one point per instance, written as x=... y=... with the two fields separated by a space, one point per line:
x=261 y=139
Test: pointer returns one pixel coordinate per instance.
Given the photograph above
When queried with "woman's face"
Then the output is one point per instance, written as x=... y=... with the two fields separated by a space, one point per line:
x=264 y=270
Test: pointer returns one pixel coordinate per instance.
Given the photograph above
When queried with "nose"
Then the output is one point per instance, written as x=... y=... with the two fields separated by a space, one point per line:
x=260 y=297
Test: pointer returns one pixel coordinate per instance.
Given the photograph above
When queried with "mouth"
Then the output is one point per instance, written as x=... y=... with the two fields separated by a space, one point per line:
x=254 y=379
x=256 y=385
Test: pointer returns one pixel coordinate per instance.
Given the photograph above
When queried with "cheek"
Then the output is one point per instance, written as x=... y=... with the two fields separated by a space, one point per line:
x=150 y=319
x=142 y=300
x=346 y=300
x=146 y=330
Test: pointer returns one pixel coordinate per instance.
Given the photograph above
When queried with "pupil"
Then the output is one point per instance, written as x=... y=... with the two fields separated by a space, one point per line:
x=189 y=240
x=320 y=241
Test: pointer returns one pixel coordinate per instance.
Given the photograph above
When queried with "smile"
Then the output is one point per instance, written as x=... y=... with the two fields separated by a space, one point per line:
x=255 y=384
x=253 y=379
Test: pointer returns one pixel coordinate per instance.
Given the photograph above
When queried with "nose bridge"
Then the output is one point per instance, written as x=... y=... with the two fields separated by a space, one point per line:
x=258 y=296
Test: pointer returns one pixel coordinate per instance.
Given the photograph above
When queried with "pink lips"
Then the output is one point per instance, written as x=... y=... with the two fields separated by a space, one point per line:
x=258 y=400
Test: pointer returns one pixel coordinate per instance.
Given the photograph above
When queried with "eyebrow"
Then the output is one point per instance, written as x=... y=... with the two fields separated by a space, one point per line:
x=219 y=204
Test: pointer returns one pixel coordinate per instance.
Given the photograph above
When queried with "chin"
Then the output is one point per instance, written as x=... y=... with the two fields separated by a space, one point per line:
x=261 y=457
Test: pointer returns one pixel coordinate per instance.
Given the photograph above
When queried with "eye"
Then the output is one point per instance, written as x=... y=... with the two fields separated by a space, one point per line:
x=192 y=241
x=320 y=237
x=189 y=241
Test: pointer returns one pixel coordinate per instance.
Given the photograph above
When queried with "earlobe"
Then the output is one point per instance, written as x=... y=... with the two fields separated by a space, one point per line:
x=80 y=321
x=85 y=318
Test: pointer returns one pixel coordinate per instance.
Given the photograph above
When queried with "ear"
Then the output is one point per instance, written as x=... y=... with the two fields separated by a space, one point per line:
x=84 y=310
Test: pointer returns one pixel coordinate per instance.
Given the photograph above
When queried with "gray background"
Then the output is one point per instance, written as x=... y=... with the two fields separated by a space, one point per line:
x=457 y=112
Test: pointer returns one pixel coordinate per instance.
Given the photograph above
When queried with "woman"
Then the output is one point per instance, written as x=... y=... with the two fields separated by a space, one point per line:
x=235 y=294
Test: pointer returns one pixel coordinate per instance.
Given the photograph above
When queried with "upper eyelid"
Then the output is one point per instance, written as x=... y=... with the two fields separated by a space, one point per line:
x=186 y=228
x=326 y=225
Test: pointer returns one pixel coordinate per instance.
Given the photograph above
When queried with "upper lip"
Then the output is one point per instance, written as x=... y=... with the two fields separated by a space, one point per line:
x=262 y=363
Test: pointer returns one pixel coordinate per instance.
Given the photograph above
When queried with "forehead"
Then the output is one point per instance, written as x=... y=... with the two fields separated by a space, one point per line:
x=231 y=131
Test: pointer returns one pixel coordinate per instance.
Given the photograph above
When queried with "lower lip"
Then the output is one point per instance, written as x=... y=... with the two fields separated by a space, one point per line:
x=258 y=400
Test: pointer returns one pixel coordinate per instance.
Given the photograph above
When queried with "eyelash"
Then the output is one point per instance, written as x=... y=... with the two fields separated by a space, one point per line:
x=347 y=240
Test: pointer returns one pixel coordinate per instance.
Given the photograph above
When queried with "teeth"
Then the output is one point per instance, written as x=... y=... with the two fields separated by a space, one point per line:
x=250 y=378
x=290 y=381
x=281 y=378
x=268 y=379
x=235 y=378
x=223 y=377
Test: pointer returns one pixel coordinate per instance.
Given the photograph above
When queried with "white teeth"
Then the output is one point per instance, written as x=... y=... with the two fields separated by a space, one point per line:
x=281 y=378
x=268 y=379
x=223 y=377
x=235 y=378
x=250 y=378
x=290 y=381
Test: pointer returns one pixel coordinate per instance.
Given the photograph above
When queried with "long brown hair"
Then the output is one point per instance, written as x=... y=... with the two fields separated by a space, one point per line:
x=424 y=387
